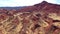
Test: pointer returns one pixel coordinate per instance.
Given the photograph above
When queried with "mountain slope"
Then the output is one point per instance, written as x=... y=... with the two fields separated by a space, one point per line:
x=42 y=18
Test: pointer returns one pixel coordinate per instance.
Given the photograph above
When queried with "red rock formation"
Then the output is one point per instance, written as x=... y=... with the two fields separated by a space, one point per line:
x=42 y=18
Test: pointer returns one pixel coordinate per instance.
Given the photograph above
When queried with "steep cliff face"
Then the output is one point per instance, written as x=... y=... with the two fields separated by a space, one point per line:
x=42 y=18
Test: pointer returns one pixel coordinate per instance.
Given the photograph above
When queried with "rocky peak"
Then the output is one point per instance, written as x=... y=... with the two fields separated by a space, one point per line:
x=42 y=3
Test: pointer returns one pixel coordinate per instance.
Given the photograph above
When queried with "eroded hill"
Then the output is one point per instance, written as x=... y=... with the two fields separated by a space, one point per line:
x=43 y=18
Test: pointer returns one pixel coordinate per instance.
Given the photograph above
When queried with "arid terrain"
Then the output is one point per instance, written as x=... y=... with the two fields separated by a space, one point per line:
x=42 y=18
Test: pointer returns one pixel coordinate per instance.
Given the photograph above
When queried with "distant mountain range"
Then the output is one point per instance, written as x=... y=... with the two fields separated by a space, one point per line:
x=10 y=8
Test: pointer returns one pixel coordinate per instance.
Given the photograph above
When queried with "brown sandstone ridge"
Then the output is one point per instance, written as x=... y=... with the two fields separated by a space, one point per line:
x=42 y=18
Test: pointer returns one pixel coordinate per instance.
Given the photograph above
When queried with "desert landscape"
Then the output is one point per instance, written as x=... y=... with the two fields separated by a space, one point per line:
x=42 y=18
